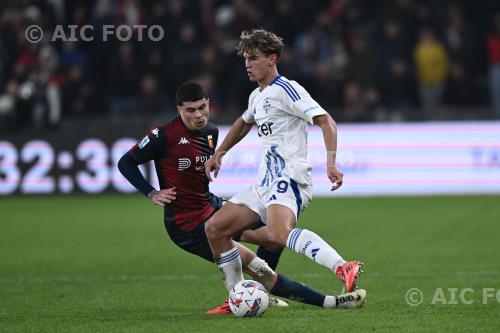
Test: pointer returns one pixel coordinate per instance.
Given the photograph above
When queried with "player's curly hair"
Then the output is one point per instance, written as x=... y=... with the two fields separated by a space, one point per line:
x=262 y=40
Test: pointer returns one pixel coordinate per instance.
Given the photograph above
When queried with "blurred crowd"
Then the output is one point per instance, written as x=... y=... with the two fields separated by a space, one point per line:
x=386 y=60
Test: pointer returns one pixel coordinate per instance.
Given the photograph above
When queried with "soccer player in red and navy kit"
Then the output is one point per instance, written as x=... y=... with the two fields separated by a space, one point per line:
x=180 y=149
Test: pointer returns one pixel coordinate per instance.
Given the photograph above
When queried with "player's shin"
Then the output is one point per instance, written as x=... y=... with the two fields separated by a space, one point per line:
x=308 y=243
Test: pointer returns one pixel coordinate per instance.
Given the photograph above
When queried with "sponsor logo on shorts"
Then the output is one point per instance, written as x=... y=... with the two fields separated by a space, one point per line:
x=273 y=197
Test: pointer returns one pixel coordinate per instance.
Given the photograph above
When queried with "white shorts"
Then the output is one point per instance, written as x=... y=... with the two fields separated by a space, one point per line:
x=282 y=191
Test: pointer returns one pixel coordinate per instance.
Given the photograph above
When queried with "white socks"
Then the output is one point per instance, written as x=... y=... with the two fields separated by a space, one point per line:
x=314 y=247
x=230 y=267
x=330 y=302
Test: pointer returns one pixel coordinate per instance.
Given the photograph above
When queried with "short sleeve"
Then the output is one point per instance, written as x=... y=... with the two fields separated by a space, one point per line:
x=248 y=116
x=300 y=103
x=151 y=147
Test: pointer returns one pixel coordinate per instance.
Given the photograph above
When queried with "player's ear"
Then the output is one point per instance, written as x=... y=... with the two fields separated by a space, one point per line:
x=179 y=109
x=274 y=59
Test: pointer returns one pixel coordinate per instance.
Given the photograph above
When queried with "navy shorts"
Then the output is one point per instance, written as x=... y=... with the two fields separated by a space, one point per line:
x=196 y=241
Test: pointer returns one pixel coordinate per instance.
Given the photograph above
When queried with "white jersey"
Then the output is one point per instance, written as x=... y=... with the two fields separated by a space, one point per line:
x=282 y=112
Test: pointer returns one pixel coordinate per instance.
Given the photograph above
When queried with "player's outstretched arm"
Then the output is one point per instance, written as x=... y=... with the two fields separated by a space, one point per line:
x=237 y=132
x=329 y=129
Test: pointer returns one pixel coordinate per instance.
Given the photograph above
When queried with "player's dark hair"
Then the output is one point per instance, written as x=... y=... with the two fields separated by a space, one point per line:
x=262 y=40
x=189 y=92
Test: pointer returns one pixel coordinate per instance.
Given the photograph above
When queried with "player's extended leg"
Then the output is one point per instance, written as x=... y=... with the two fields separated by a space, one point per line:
x=280 y=285
x=226 y=222
x=281 y=222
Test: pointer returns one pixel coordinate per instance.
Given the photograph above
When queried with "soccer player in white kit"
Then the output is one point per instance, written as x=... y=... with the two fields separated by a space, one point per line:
x=282 y=110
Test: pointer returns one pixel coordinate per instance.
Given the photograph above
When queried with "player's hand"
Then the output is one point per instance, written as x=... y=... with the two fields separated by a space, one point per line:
x=213 y=164
x=335 y=176
x=162 y=197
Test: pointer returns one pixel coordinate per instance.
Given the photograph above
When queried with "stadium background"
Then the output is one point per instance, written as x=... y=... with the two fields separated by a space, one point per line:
x=359 y=58
x=408 y=124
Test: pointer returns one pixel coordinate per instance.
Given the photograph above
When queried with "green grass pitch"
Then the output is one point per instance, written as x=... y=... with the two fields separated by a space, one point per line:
x=105 y=264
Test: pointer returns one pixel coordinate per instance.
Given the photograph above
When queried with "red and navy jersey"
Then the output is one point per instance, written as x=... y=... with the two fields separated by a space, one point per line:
x=180 y=155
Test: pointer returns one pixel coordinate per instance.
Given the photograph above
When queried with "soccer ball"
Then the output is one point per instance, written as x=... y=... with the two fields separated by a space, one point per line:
x=248 y=299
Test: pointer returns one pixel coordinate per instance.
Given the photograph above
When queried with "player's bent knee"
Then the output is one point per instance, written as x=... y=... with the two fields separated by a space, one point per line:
x=216 y=230
x=211 y=229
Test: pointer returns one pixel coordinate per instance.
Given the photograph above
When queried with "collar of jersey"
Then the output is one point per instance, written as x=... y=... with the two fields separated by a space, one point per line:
x=275 y=79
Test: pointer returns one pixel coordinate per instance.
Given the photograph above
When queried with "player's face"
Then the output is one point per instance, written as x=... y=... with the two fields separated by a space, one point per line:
x=194 y=114
x=259 y=65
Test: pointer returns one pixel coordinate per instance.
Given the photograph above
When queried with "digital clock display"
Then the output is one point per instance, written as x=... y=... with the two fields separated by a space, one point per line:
x=37 y=167
x=376 y=159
